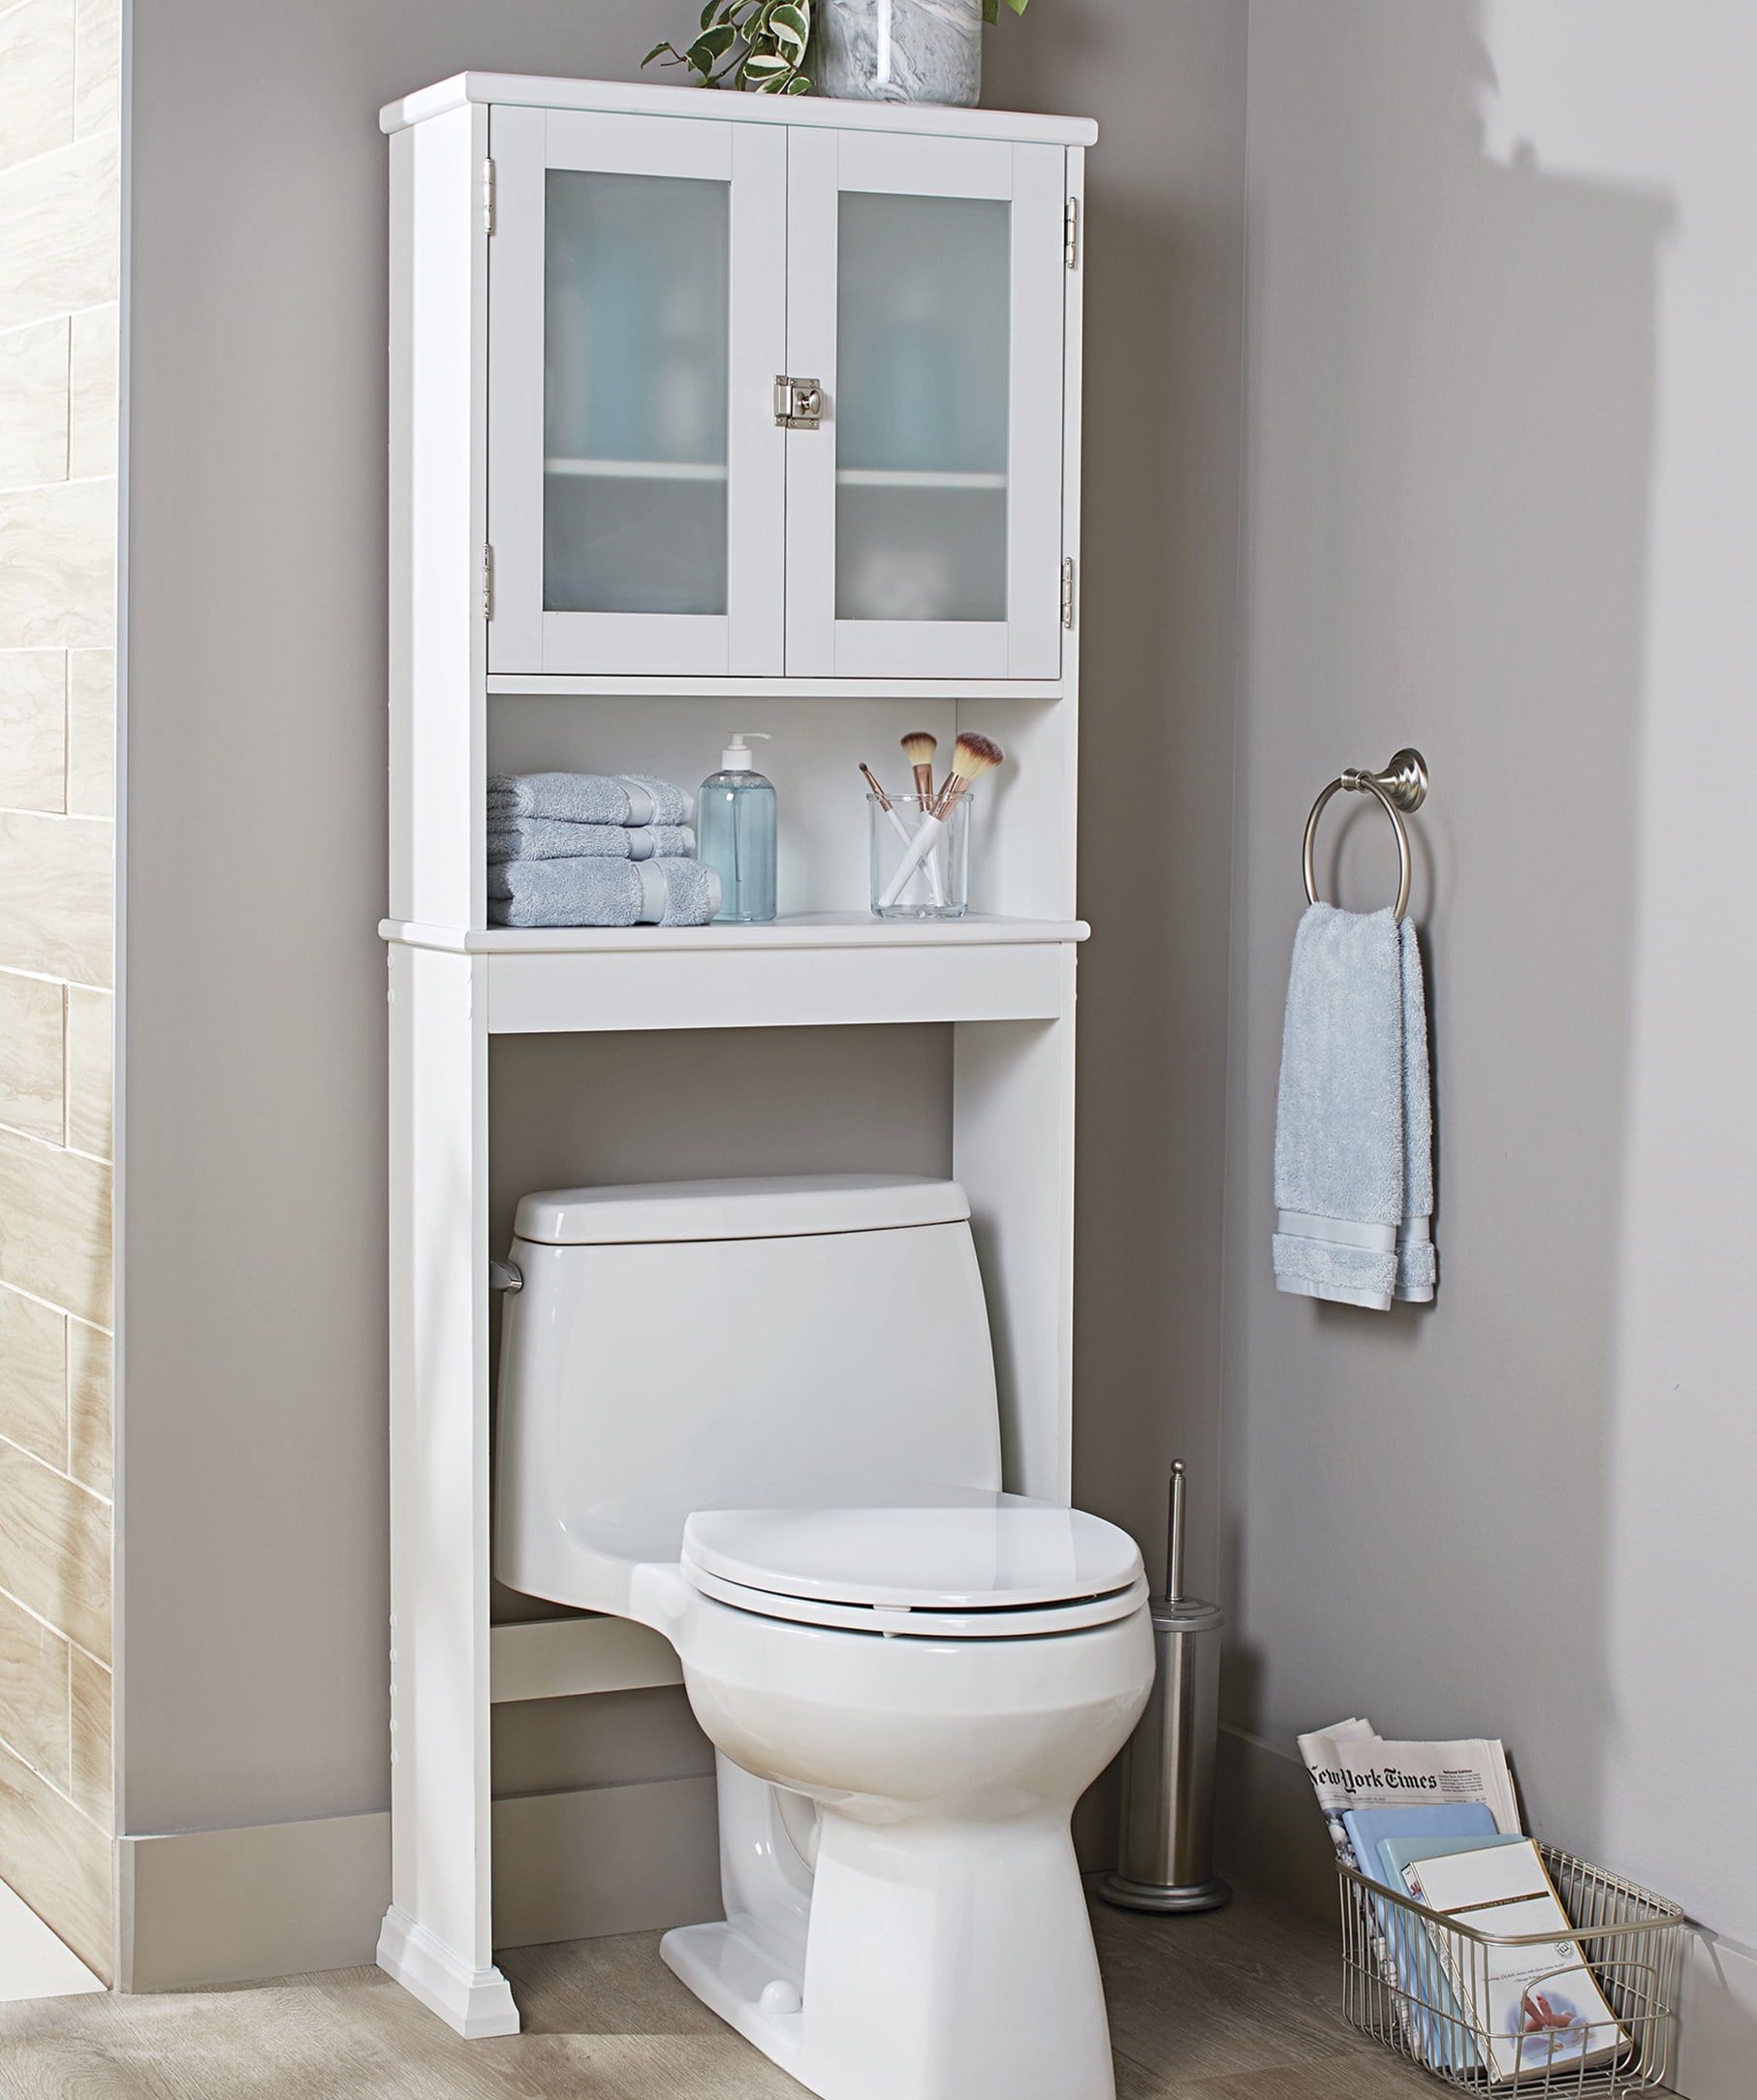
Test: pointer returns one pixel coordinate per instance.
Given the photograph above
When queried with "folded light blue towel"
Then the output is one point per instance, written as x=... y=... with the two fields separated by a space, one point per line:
x=594 y=891
x=551 y=838
x=588 y=799
x=1354 y=1132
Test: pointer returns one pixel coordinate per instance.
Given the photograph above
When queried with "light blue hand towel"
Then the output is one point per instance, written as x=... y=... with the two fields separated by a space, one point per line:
x=1418 y=1265
x=593 y=890
x=588 y=799
x=549 y=838
x=1354 y=1138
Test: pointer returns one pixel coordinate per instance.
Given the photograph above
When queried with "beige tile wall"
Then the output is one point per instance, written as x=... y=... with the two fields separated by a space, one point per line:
x=59 y=254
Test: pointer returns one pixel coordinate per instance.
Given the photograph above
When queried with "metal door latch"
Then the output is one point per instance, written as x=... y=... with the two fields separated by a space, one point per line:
x=799 y=404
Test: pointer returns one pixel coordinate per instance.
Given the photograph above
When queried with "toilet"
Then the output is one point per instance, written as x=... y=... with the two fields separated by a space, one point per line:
x=761 y=1416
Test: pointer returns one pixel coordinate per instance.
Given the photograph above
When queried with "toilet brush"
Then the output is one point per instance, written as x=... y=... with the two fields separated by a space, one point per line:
x=1168 y=1786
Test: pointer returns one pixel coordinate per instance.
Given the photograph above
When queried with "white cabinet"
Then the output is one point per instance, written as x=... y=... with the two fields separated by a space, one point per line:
x=773 y=400
x=605 y=552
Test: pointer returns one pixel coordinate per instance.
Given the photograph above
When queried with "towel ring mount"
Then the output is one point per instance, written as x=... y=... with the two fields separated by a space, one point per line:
x=1402 y=787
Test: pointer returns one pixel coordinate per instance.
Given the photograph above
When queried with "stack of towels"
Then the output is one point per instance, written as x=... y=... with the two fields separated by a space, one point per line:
x=1354 y=1127
x=595 y=850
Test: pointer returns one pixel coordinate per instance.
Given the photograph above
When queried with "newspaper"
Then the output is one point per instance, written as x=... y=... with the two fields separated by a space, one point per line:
x=1353 y=1767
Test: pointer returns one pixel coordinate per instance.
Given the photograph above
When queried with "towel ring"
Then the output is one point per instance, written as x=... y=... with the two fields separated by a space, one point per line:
x=1402 y=786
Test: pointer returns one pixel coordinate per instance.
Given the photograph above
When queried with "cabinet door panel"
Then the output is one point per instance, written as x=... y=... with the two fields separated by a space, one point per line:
x=925 y=292
x=635 y=486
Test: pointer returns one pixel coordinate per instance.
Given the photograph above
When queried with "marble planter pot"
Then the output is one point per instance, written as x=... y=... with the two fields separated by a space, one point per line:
x=900 y=50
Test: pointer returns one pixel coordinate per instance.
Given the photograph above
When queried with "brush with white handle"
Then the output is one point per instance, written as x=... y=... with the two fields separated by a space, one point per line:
x=902 y=831
x=974 y=756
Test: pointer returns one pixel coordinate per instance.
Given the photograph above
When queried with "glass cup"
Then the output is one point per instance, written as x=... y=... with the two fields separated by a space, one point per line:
x=939 y=888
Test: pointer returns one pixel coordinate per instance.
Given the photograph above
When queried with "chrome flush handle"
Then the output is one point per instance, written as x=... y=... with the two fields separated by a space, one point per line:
x=799 y=404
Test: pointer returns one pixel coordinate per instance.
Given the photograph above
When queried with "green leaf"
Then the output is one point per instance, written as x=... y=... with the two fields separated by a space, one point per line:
x=709 y=49
x=791 y=28
x=654 y=52
x=799 y=86
x=990 y=10
x=709 y=12
x=1018 y=6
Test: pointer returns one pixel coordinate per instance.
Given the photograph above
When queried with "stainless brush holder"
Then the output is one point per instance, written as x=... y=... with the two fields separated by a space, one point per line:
x=1167 y=1858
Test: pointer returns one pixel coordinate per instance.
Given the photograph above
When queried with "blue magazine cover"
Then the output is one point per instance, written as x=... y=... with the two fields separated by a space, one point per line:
x=1421 y=1834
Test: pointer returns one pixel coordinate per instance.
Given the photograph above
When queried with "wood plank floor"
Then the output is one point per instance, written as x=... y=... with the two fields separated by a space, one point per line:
x=1236 y=2005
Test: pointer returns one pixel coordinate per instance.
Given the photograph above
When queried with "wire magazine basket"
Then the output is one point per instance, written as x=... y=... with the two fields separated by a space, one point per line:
x=1420 y=1982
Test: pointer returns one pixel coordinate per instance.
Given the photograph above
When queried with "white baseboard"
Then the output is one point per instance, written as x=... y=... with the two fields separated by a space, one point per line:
x=283 y=1899
x=477 y=2002
x=1717 y=2047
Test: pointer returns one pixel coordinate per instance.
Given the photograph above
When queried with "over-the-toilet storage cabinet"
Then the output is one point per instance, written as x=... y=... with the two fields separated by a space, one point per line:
x=708 y=411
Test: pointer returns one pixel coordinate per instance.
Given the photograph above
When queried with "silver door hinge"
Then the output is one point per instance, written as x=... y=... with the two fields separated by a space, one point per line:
x=1067 y=590
x=487 y=583
x=1070 y=233
x=488 y=197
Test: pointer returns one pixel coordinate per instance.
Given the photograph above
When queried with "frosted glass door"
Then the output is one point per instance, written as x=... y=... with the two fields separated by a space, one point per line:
x=635 y=305
x=637 y=323
x=926 y=292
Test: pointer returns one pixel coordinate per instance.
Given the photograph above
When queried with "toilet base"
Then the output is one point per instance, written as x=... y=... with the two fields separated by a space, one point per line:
x=945 y=1962
x=734 y=1978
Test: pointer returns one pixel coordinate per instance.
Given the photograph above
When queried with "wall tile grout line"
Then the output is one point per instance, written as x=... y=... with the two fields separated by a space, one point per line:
x=74 y=144
x=36 y=1298
x=104 y=1501
x=95 y=1661
x=65 y=313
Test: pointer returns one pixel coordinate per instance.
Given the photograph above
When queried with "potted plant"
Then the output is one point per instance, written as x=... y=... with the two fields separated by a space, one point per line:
x=754 y=43
x=871 y=50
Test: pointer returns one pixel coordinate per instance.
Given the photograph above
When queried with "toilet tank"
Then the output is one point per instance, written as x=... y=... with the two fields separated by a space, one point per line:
x=743 y=1345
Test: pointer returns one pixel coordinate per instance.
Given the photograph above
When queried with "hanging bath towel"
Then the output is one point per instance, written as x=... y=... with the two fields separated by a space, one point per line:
x=1354 y=1128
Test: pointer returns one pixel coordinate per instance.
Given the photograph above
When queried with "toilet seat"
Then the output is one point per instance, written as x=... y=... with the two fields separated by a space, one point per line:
x=959 y=1564
x=925 y=1623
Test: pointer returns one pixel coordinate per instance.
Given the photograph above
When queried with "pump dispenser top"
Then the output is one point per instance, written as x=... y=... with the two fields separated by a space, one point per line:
x=737 y=756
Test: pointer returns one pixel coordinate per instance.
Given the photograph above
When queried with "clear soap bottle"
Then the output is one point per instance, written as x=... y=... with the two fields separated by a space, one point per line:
x=735 y=834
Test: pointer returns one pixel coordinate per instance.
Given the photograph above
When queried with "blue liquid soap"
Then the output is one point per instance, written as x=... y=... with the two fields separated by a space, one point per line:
x=736 y=835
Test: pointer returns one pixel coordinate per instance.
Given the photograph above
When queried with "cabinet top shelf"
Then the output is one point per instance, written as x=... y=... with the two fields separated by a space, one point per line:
x=802 y=930
x=535 y=91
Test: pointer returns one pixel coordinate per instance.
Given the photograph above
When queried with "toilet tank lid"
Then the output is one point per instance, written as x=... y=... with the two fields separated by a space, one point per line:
x=764 y=1206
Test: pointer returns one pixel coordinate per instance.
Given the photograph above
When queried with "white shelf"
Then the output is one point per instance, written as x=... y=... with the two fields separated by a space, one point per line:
x=913 y=478
x=640 y=470
x=799 y=930
x=608 y=685
x=818 y=970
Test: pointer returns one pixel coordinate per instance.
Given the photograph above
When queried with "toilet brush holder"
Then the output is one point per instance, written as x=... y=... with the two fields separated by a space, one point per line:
x=1168 y=1787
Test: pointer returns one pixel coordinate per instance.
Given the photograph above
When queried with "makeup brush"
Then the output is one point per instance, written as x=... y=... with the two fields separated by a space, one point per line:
x=918 y=747
x=902 y=831
x=973 y=756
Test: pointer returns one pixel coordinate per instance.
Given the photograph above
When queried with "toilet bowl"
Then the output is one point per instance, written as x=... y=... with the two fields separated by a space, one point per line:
x=908 y=1675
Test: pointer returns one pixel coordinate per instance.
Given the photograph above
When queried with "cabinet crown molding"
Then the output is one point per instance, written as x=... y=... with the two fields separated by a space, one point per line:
x=809 y=111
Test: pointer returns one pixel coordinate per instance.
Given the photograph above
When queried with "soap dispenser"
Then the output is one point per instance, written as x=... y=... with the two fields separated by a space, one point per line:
x=735 y=834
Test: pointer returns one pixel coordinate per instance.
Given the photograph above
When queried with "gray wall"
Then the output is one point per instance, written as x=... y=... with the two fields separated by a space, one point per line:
x=1165 y=251
x=253 y=1386
x=1502 y=505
